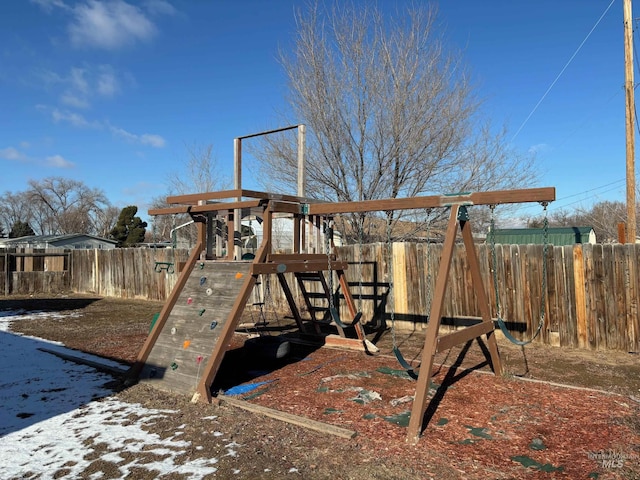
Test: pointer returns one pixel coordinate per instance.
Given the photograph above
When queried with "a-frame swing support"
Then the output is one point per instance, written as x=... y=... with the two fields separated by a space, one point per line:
x=435 y=343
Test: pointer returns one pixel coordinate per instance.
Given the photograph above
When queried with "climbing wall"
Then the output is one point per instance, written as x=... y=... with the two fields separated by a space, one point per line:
x=179 y=356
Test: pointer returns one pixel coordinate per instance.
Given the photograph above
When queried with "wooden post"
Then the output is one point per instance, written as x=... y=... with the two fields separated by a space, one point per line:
x=581 y=305
x=629 y=121
x=430 y=343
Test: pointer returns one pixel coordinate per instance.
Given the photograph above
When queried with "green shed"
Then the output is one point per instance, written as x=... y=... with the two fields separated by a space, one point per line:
x=557 y=235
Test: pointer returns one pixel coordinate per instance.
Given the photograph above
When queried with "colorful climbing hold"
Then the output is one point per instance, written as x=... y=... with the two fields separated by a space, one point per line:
x=239 y=275
x=189 y=301
x=213 y=325
x=174 y=366
x=203 y=280
x=199 y=360
x=173 y=330
x=201 y=265
x=186 y=344
x=209 y=291
x=201 y=312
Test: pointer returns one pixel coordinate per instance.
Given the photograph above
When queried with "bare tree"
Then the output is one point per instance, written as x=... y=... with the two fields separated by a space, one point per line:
x=604 y=217
x=61 y=205
x=389 y=112
x=198 y=173
x=14 y=208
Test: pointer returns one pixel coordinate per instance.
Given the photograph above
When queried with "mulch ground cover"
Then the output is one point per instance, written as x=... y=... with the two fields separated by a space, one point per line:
x=499 y=426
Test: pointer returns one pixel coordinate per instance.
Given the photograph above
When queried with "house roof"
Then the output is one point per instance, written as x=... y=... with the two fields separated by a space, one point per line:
x=556 y=235
x=53 y=239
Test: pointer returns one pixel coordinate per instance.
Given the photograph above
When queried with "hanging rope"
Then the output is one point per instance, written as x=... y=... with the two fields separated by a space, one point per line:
x=545 y=249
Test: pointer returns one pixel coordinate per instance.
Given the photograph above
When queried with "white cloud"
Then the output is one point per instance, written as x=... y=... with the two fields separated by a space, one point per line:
x=159 y=7
x=11 y=153
x=24 y=144
x=109 y=25
x=73 y=118
x=107 y=83
x=82 y=85
x=78 y=120
x=68 y=98
x=152 y=140
x=59 y=161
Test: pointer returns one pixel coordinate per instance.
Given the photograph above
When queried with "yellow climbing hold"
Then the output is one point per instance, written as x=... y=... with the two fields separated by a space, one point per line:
x=239 y=275
x=186 y=344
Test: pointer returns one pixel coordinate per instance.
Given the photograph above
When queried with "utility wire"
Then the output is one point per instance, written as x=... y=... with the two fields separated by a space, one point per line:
x=561 y=72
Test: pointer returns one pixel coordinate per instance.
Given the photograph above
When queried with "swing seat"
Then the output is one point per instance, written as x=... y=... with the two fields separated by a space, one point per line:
x=514 y=340
x=404 y=364
x=335 y=316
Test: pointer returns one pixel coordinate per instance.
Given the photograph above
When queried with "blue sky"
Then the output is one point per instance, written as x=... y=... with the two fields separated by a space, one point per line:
x=111 y=93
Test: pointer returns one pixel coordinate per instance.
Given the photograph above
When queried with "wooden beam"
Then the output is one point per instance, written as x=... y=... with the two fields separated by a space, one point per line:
x=445 y=342
x=435 y=315
x=193 y=198
x=208 y=207
x=546 y=194
x=292 y=267
x=288 y=417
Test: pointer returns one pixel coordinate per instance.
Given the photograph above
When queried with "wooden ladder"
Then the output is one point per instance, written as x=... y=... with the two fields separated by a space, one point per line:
x=317 y=302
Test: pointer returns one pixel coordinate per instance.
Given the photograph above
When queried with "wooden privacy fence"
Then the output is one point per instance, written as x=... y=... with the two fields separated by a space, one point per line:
x=592 y=291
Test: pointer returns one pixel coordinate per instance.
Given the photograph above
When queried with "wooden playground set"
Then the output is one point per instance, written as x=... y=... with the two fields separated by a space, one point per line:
x=193 y=331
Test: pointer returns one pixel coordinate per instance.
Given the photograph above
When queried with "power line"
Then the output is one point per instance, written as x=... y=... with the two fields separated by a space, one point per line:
x=561 y=72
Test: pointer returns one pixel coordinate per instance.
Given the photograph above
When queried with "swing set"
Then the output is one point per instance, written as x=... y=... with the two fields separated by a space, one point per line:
x=458 y=205
x=231 y=281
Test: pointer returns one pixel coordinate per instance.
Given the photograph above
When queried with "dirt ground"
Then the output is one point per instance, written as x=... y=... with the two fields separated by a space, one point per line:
x=555 y=413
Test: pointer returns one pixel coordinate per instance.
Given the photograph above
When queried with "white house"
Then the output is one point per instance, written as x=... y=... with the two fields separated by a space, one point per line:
x=69 y=241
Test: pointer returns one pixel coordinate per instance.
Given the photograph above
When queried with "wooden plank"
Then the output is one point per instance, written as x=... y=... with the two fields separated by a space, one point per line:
x=429 y=351
x=631 y=295
x=101 y=367
x=591 y=300
x=288 y=417
x=610 y=327
x=581 y=307
x=445 y=342
x=635 y=260
x=621 y=280
x=292 y=267
x=546 y=194
x=599 y=285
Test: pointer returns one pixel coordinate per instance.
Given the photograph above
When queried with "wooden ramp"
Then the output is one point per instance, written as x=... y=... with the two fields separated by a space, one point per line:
x=178 y=358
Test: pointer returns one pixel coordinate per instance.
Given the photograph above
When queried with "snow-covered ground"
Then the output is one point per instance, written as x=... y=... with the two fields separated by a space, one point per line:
x=53 y=411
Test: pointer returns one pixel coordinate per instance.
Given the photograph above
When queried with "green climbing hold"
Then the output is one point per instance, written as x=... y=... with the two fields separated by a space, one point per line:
x=153 y=321
x=174 y=366
x=201 y=311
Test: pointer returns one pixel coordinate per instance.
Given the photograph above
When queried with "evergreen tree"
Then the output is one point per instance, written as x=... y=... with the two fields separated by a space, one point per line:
x=129 y=229
x=21 y=229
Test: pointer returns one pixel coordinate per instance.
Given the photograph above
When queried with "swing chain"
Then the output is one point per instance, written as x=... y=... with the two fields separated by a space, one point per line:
x=328 y=232
x=360 y=267
x=545 y=250
x=494 y=259
x=390 y=299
